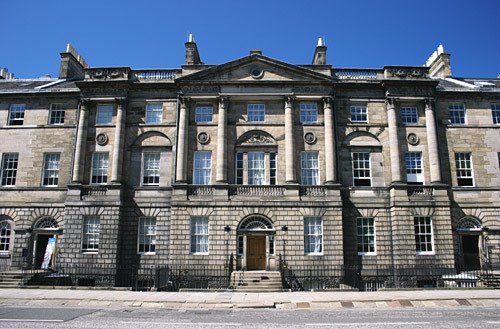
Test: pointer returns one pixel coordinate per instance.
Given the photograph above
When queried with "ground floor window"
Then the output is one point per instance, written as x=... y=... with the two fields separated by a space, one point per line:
x=5 y=233
x=199 y=235
x=313 y=235
x=366 y=235
x=91 y=230
x=147 y=235
x=423 y=235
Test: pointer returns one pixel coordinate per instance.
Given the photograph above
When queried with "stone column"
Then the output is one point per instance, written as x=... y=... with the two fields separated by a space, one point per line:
x=81 y=141
x=432 y=142
x=289 y=142
x=121 y=112
x=221 y=174
x=182 y=142
x=330 y=165
x=392 y=121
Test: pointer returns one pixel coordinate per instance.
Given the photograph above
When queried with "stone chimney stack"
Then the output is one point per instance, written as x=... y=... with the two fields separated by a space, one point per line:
x=192 y=54
x=5 y=75
x=72 y=64
x=439 y=63
x=320 y=53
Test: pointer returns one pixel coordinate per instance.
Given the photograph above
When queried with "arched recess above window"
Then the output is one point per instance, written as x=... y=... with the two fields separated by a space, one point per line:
x=362 y=139
x=46 y=223
x=255 y=138
x=152 y=139
x=469 y=224
x=256 y=223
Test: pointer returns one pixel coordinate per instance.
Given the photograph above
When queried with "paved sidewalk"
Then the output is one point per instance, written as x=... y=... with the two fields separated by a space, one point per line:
x=227 y=299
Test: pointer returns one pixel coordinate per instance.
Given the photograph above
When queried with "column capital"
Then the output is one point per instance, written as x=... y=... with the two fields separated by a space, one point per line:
x=429 y=104
x=121 y=101
x=289 y=101
x=328 y=102
x=222 y=101
x=390 y=102
x=84 y=102
x=184 y=100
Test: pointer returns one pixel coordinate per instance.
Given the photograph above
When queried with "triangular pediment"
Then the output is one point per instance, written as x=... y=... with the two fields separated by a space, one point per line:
x=253 y=69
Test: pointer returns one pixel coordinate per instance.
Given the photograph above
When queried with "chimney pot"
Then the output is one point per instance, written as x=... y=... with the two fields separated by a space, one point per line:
x=255 y=52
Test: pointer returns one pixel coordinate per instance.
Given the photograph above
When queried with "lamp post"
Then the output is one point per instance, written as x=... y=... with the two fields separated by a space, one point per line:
x=227 y=232
x=284 y=229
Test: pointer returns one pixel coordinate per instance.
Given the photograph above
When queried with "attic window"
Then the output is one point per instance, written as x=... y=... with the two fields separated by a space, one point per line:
x=256 y=73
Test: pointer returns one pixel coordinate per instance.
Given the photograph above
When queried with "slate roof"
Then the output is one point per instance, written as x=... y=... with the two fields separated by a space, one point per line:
x=469 y=84
x=22 y=86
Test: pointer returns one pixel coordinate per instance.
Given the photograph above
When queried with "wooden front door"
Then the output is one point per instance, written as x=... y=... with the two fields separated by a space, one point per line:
x=256 y=252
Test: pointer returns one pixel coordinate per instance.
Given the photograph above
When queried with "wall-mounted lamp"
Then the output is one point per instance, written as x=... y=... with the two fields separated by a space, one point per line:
x=284 y=228
x=227 y=229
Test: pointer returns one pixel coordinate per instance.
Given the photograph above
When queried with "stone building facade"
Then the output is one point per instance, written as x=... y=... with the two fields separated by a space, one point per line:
x=255 y=158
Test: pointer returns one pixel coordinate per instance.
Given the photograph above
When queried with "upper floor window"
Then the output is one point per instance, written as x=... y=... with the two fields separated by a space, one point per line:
x=90 y=233
x=204 y=113
x=51 y=164
x=104 y=114
x=9 y=169
x=457 y=113
x=256 y=112
x=5 y=234
x=366 y=235
x=308 y=112
x=409 y=115
x=495 y=113
x=361 y=168
x=16 y=114
x=423 y=235
x=57 y=114
x=154 y=113
x=359 y=114
x=199 y=235
x=309 y=168
x=99 y=168
x=256 y=168
x=463 y=163
x=313 y=235
x=413 y=161
x=151 y=168
x=202 y=169
x=147 y=235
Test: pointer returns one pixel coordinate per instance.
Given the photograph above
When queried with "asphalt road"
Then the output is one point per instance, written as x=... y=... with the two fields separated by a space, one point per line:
x=17 y=317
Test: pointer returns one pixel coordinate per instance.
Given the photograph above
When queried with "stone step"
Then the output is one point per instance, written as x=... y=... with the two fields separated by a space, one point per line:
x=257 y=281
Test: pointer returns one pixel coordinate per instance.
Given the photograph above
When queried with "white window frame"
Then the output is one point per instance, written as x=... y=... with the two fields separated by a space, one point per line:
x=363 y=237
x=422 y=246
x=256 y=112
x=308 y=112
x=256 y=174
x=359 y=113
x=10 y=164
x=16 y=114
x=202 y=168
x=91 y=230
x=5 y=237
x=357 y=169
x=409 y=115
x=464 y=168
x=458 y=113
x=199 y=235
x=154 y=113
x=51 y=166
x=104 y=114
x=146 y=237
x=100 y=168
x=57 y=114
x=495 y=113
x=151 y=171
x=311 y=238
x=239 y=163
x=204 y=113
x=414 y=167
x=309 y=168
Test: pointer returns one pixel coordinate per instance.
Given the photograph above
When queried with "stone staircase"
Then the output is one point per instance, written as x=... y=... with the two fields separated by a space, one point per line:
x=11 y=279
x=491 y=280
x=256 y=281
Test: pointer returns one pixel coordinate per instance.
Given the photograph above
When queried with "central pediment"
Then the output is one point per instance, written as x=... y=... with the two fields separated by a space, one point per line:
x=254 y=69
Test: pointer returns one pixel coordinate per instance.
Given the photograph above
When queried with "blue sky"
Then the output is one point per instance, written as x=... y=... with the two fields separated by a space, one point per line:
x=151 y=33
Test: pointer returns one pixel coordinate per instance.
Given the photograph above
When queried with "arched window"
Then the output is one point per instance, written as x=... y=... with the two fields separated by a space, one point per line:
x=46 y=222
x=5 y=235
x=469 y=224
x=256 y=223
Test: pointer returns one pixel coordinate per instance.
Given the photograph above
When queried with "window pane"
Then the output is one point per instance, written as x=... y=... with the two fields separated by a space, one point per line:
x=147 y=235
x=104 y=114
x=361 y=168
x=239 y=168
x=204 y=113
x=51 y=169
x=308 y=112
x=99 y=168
x=199 y=235
x=313 y=235
x=151 y=168
x=359 y=114
x=256 y=112
x=423 y=235
x=309 y=168
x=16 y=114
x=495 y=113
x=256 y=168
x=366 y=235
x=413 y=161
x=457 y=113
x=9 y=169
x=154 y=113
x=57 y=114
x=5 y=232
x=202 y=174
x=409 y=115
x=91 y=230
x=463 y=163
